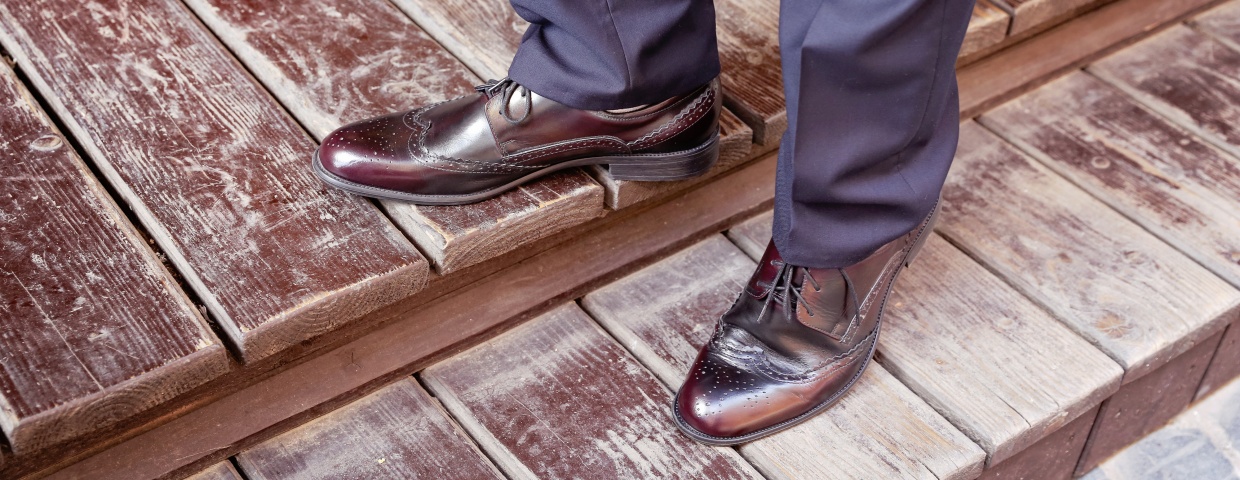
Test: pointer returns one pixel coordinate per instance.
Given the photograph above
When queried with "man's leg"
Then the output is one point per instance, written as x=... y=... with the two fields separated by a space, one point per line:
x=872 y=126
x=608 y=54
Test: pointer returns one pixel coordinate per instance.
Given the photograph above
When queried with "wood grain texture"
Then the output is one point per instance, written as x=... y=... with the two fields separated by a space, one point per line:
x=1185 y=76
x=988 y=26
x=95 y=329
x=1027 y=64
x=1225 y=365
x=1162 y=176
x=558 y=398
x=997 y=366
x=1143 y=406
x=665 y=312
x=213 y=168
x=1119 y=287
x=485 y=36
x=398 y=432
x=340 y=61
x=1053 y=457
x=735 y=148
x=409 y=336
x=1032 y=14
x=1221 y=22
x=753 y=235
x=748 y=32
x=219 y=471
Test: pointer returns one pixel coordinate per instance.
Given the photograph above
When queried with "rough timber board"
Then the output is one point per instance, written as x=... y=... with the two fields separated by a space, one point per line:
x=1222 y=22
x=753 y=85
x=1183 y=75
x=369 y=59
x=1162 y=176
x=485 y=35
x=219 y=471
x=1053 y=457
x=997 y=366
x=95 y=329
x=396 y=432
x=213 y=168
x=681 y=299
x=1144 y=405
x=1031 y=14
x=558 y=398
x=1225 y=366
x=988 y=27
x=753 y=235
x=1133 y=296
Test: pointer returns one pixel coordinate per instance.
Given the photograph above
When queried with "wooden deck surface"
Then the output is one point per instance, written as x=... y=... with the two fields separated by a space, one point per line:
x=162 y=231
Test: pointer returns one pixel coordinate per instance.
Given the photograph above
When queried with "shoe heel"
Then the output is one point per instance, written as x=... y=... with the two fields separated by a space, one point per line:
x=927 y=229
x=666 y=166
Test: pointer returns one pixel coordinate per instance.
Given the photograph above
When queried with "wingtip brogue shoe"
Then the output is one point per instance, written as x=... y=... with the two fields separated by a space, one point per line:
x=793 y=343
x=478 y=146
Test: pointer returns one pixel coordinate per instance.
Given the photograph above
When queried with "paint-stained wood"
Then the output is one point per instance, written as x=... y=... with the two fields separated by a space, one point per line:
x=736 y=142
x=396 y=432
x=1143 y=406
x=1222 y=22
x=748 y=33
x=1133 y=296
x=1052 y=458
x=213 y=167
x=1225 y=366
x=95 y=330
x=345 y=60
x=987 y=27
x=1187 y=77
x=664 y=313
x=753 y=235
x=219 y=471
x=993 y=363
x=1032 y=14
x=558 y=398
x=1164 y=177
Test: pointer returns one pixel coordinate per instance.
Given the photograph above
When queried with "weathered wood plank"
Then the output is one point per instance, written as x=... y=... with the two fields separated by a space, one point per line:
x=748 y=33
x=997 y=366
x=558 y=398
x=1032 y=14
x=396 y=432
x=988 y=26
x=219 y=471
x=1144 y=405
x=485 y=36
x=753 y=235
x=95 y=329
x=667 y=311
x=1225 y=366
x=1221 y=22
x=1160 y=175
x=213 y=168
x=1053 y=457
x=1185 y=76
x=1131 y=295
x=369 y=59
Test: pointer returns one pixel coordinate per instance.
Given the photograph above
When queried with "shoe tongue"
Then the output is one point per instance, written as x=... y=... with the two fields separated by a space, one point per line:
x=763 y=280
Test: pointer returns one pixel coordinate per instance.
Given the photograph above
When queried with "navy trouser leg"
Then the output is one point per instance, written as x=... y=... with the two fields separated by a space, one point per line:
x=873 y=121
x=607 y=54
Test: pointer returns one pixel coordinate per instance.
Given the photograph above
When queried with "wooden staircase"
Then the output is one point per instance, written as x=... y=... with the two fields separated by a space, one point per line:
x=169 y=304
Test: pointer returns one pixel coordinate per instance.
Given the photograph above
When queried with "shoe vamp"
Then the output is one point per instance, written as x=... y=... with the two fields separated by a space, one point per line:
x=756 y=325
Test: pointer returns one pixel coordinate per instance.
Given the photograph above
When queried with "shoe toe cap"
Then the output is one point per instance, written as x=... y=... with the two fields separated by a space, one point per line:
x=366 y=152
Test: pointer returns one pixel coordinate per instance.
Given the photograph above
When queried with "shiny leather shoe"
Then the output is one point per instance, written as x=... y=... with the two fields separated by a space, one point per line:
x=478 y=146
x=795 y=340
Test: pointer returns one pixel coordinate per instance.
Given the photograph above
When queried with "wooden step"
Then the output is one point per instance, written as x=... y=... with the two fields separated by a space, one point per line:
x=681 y=299
x=396 y=432
x=368 y=59
x=1030 y=15
x=219 y=471
x=95 y=329
x=558 y=398
x=214 y=169
x=989 y=360
x=988 y=27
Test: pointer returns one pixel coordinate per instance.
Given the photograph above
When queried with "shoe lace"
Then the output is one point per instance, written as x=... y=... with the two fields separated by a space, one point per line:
x=506 y=88
x=783 y=288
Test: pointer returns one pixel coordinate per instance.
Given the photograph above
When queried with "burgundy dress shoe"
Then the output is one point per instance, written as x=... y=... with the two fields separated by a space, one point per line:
x=478 y=146
x=795 y=340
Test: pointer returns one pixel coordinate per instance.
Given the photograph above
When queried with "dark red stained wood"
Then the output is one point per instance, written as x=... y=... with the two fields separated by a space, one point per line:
x=558 y=398
x=219 y=471
x=1162 y=176
x=213 y=168
x=344 y=60
x=396 y=432
x=1225 y=366
x=1145 y=405
x=95 y=329
x=748 y=33
x=1133 y=296
x=1186 y=76
x=1053 y=457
